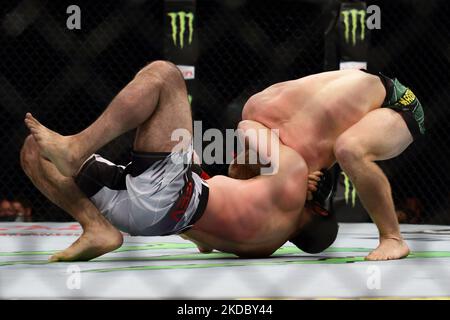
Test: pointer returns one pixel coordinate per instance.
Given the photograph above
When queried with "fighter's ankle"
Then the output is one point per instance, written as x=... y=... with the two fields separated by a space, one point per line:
x=391 y=236
x=94 y=225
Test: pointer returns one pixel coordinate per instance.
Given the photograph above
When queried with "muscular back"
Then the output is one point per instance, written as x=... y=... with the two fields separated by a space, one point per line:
x=311 y=112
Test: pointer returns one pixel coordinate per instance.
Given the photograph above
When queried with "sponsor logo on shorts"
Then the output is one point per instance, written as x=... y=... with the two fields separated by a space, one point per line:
x=407 y=98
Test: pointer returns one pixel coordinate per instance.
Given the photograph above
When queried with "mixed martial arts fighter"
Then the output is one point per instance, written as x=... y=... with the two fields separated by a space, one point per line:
x=161 y=191
x=354 y=118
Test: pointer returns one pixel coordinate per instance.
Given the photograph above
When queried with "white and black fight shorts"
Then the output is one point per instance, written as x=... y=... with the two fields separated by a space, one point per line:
x=156 y=194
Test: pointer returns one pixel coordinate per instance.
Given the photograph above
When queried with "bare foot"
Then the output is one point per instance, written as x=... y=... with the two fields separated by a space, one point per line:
x=389 y=249
x=93 y=243
x=55 y=147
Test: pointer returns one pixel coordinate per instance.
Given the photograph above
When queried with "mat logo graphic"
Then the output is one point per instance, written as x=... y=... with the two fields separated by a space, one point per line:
x=356 y=22
x=74 y=279
x=182 y=25
x=374 y=278
x=349 y=185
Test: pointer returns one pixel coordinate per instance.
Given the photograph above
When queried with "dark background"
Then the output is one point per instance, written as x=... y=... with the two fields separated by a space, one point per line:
x=66 y=78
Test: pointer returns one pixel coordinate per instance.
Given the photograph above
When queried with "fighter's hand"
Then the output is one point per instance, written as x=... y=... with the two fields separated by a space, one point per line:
x=313 y=180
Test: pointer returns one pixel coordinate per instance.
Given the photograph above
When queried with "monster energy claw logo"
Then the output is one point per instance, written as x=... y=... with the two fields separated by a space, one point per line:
x=178 y=36
x=353 y=18
x=349 y=185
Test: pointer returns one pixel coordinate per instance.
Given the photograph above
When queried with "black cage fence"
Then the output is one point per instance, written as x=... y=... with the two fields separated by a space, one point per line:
x=67 y=77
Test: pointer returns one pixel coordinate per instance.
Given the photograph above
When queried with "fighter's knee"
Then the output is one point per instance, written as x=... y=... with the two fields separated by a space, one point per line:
x=163 y=69
x=161 y=65
x=348 y=151
x=244 y=125
x=29 y=154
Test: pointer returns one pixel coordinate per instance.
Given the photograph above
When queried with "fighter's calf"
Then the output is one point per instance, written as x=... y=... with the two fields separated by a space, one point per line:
x=29 y=156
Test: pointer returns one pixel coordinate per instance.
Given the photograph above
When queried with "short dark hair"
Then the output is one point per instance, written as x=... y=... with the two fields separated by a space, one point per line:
x=318 y=234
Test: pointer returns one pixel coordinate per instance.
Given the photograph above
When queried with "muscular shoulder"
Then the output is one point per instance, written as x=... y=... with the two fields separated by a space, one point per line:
x=239 y=201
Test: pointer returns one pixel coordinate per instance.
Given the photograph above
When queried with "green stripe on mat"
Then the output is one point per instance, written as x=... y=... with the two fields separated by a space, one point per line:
x=278 y=258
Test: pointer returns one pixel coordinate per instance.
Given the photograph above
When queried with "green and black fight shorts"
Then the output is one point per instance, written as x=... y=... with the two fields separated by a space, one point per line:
x=401 y=99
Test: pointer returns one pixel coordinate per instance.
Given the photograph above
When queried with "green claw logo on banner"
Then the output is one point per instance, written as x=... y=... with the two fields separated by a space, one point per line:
x=186 y=23
x=354 y=20
x=349 y=185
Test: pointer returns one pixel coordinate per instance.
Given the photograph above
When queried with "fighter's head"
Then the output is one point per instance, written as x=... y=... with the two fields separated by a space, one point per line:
x=318 y=232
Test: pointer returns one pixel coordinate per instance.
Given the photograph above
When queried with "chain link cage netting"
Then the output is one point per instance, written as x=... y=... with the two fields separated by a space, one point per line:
x=67 y=77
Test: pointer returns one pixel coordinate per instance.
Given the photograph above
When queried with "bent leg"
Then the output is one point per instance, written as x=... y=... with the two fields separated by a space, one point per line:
x=132 y=107
x=172 y=112
x=380 y=135
x=99 y=236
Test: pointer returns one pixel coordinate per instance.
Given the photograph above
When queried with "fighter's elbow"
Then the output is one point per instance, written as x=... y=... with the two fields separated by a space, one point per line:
x=299 y=170
x=246 y=125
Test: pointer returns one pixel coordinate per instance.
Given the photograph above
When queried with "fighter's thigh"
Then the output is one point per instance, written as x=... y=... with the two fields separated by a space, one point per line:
x=172 y=112
x=381 y=134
